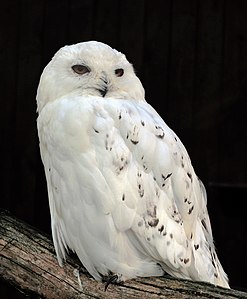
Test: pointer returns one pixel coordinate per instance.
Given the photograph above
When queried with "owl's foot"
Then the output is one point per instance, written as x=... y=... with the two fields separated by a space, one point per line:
x=112 y=278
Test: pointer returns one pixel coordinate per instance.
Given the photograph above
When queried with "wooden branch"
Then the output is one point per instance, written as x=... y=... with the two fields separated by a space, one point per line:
x=28 y=262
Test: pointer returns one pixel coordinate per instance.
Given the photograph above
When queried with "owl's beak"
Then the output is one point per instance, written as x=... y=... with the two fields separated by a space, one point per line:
x=103 y=92
x=104 y=89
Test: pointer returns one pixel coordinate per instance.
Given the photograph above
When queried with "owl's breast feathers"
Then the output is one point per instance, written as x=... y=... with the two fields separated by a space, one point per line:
x=119 y=178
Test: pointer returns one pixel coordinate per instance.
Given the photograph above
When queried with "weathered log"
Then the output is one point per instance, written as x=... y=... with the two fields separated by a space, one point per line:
x=28 y=262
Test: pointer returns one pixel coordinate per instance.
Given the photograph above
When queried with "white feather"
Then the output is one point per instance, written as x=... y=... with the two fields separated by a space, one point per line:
x=122 y=191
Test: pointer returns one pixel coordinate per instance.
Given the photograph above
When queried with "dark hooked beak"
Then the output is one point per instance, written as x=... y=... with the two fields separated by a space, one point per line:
x=103 y=92
x=104 y=89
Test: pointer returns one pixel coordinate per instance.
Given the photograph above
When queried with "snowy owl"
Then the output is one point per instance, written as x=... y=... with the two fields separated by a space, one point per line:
x=123 y=194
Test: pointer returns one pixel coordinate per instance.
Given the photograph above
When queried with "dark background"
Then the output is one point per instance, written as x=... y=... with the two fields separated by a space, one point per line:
x=191 y=57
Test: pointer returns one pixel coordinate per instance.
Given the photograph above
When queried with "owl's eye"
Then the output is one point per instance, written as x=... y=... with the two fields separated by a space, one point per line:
x=119 y=72
x=80 y=69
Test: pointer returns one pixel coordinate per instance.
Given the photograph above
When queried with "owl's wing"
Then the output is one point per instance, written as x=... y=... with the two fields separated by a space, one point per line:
x=168 y=197
x=171 y=221
x=119 y=167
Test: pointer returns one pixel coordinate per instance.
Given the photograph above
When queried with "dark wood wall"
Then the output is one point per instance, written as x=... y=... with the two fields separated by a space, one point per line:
x=191 y=57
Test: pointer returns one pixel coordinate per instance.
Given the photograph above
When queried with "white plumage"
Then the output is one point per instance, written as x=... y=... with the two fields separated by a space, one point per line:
x=122 y=191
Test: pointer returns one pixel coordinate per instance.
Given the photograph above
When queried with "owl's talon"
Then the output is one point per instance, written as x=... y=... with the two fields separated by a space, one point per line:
x=111 y=280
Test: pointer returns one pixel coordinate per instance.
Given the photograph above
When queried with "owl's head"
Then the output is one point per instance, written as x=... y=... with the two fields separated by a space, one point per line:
x=88 y=69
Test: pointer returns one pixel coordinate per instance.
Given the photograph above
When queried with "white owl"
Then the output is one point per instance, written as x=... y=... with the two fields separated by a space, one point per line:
x=123 y=194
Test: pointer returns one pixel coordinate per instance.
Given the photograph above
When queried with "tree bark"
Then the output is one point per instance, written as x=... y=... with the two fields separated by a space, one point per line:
x=28 y=262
